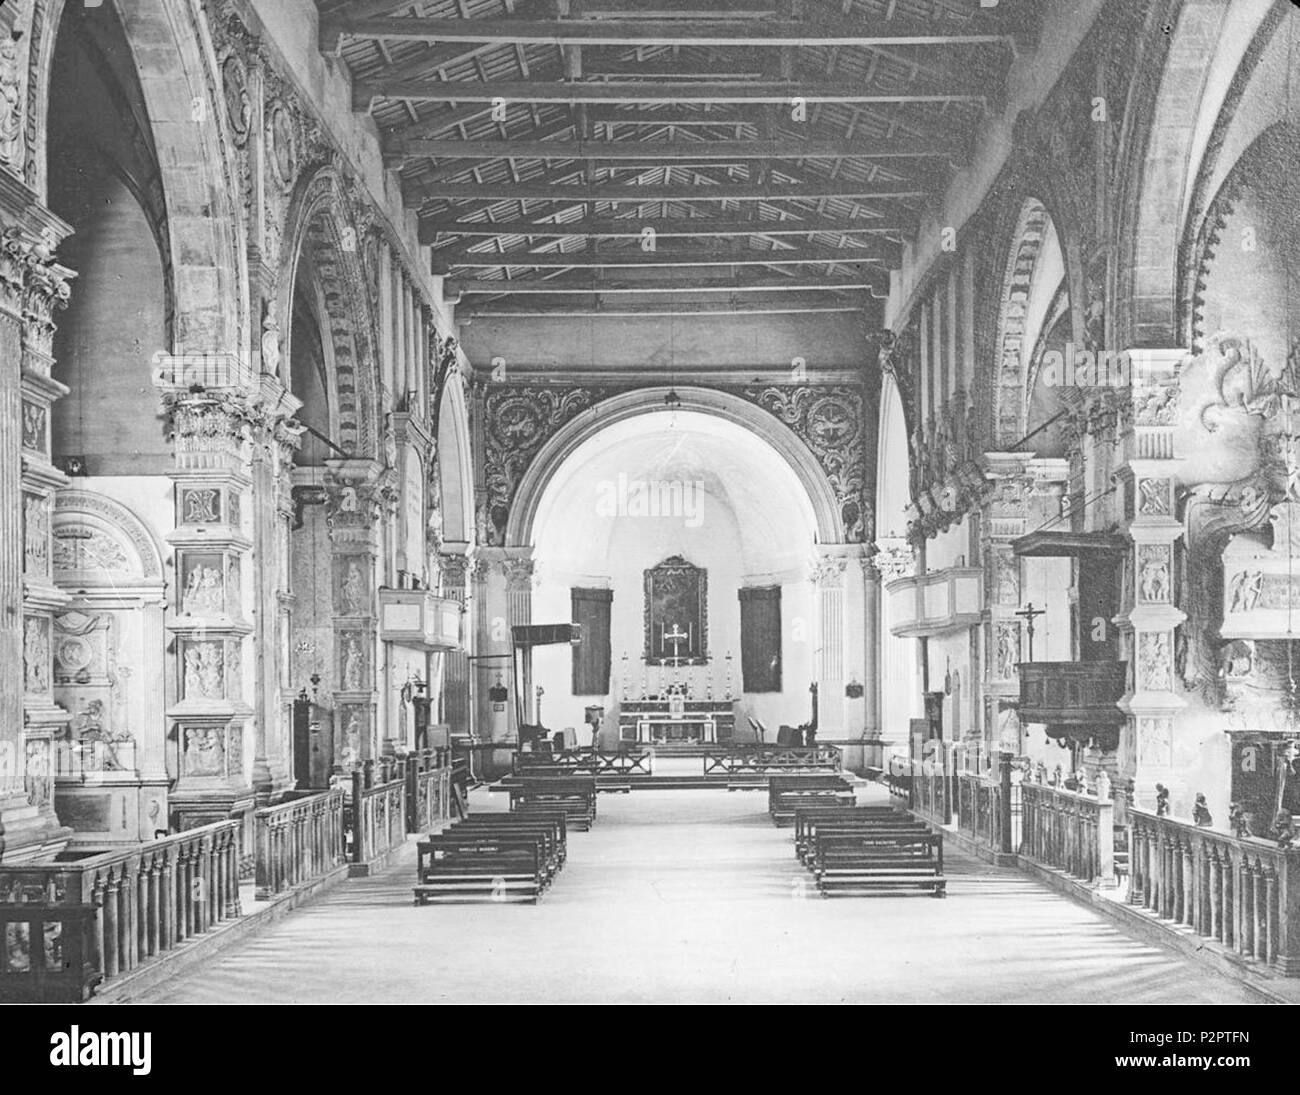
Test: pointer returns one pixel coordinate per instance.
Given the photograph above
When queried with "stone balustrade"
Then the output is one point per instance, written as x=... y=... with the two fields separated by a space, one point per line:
x=70 y=925
x=1068 y=831
x=298 y=840
x=1237 y=892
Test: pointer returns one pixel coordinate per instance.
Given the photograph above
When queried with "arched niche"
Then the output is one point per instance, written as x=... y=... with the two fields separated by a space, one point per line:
x=107 y=643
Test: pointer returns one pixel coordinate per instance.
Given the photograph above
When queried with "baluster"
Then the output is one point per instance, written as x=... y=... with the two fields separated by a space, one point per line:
x=111 y=940
x=201 y=872
x=130 y=940
x=1188 y=893
x=1216 y=895
x=1258 y=912
x=230 y=892
x=221 y=867
x=1161 y=873
x=97 y=957
x=1270 y=915
x=166 y=901
x=185 y=892
x=1243 y=907
x=1174 y=890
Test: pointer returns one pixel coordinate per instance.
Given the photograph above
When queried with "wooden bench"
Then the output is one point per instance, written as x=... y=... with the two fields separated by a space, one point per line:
x=856 y=864
x=574 y=796
x=808 y=819
x=606 y=782
x=550 y=828
x=500 y=868
x=786 y=794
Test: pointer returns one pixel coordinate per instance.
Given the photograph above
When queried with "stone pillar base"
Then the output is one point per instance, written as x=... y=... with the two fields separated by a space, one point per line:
x=27 y=834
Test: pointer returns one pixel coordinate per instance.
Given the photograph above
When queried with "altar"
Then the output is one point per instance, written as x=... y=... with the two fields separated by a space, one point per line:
x=661 y=721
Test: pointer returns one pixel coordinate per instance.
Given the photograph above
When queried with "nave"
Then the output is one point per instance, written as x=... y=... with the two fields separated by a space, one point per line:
x=694 y=896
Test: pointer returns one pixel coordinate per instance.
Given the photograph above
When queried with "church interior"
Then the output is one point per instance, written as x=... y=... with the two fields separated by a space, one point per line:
x=478 y=468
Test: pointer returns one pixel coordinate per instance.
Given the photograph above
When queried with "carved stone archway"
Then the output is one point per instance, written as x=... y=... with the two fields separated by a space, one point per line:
x=172 y=54
x=598 y=414
x=323 y=235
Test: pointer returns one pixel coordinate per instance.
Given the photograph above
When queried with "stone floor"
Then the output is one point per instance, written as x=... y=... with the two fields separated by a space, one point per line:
x=695 y=896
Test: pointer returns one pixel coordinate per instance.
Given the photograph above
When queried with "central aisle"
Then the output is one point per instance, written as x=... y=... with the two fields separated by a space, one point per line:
x=693 y=895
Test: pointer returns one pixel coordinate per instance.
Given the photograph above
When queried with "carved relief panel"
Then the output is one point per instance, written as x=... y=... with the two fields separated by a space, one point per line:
x=36 y=535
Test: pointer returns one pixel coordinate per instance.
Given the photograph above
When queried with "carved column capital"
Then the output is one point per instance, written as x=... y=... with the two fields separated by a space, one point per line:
x=520 y=573
x=894 y=558
x=827 y=571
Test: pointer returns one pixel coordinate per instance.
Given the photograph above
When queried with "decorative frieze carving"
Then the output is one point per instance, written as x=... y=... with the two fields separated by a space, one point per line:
x=518 y=421
x=12 y=153
x=831 y=421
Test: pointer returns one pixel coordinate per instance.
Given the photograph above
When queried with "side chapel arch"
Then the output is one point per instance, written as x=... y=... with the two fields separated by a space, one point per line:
x=174 y=60
x=323 y=235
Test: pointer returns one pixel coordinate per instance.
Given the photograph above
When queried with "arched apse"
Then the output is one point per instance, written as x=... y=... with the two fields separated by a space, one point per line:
x=657 y=485
x=167 y=47
x=719 y=405
x=900 y=685
x=322 y=239
x=105 y=182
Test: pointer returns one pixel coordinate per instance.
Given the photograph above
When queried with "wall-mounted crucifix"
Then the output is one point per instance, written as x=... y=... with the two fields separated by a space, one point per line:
x=1029 y=614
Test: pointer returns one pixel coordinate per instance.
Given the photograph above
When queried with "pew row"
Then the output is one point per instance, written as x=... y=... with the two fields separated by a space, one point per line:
x=853 y=854
x=574 y=796
x=789 y=793
x=491 y=857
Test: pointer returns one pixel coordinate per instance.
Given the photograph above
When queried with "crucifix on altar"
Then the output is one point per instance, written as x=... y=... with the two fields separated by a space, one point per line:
x=676 y=637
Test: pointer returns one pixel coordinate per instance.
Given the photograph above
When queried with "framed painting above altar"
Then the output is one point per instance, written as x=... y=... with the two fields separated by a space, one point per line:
x=676 y=613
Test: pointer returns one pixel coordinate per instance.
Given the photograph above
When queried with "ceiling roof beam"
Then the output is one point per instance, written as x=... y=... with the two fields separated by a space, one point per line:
x=579 y=194
x=665 y=150
x=633 y=227
x=805 y=304
x=635 y=259
x=649 y=32
x=875 y=282
x=530 y=91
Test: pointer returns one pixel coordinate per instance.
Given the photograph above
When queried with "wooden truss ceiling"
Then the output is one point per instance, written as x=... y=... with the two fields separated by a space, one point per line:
x=780 y=151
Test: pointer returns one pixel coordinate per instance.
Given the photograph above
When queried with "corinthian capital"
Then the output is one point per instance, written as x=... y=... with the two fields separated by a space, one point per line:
x=828 y=571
